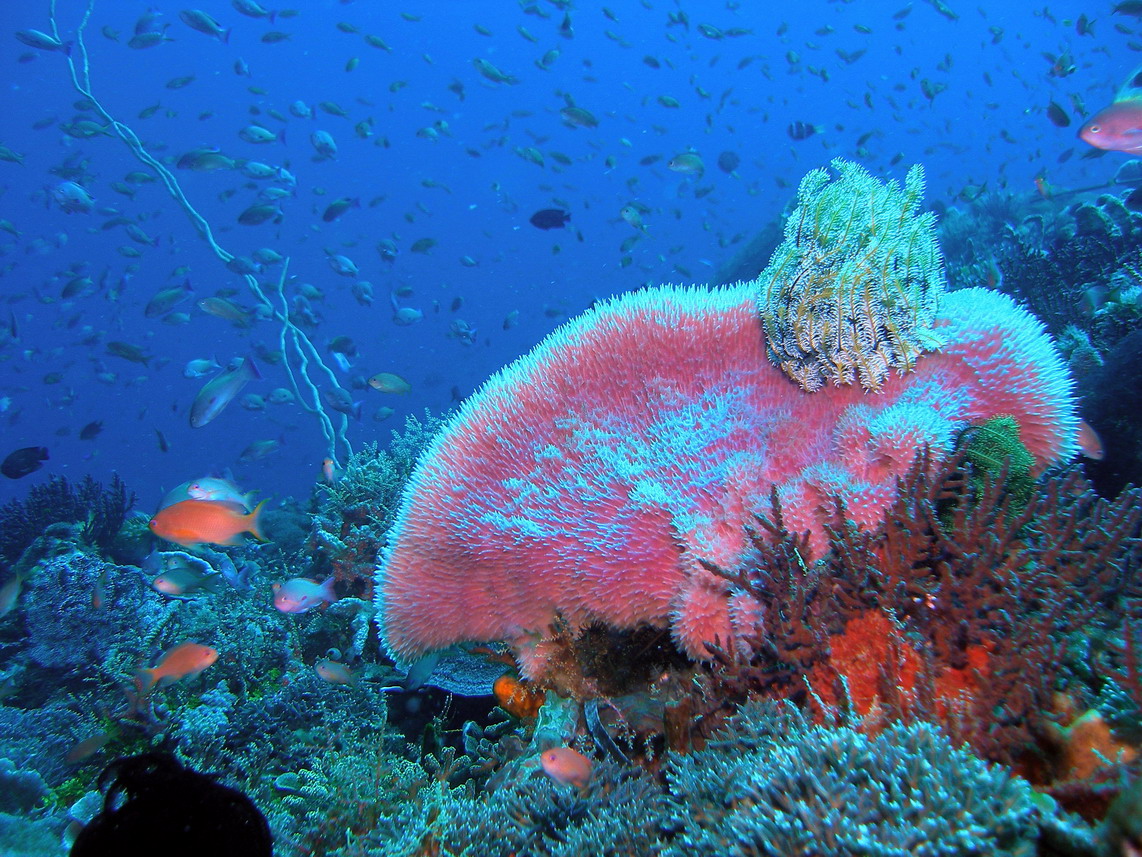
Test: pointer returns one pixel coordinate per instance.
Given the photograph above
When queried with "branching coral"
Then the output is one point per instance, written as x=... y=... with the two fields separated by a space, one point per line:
x=357 y=509
x=851 y=293
x=773 y=784
x=978 y=592
x=101 y=511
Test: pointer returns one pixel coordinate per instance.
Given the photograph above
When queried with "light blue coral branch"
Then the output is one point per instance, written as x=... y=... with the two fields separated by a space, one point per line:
x=293 y=339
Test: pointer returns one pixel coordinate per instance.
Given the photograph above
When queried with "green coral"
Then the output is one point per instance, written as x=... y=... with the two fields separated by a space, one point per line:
x=853 y=289
x=994 y=446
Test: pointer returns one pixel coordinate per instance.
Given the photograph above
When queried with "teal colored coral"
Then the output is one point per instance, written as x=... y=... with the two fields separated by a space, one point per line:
x=852 y=291
x=772 y=783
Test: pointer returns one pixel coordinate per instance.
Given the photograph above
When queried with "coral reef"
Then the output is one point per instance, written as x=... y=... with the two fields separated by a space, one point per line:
x=101 y=510
x=851 y=293
x=585 y=482
x=67 y=630
x=960 y=607
x=773 y=784
x=356 y=510
x=20 y=790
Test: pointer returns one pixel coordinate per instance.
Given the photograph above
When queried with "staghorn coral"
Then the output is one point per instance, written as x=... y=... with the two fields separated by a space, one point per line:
x=773 y=784
x=586 y=482
x=852 y=292
x=620 y=811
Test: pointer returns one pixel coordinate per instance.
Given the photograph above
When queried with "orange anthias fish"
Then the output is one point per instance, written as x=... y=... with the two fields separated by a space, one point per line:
x=1118 y=128
x=195 y=522
x=185 y=659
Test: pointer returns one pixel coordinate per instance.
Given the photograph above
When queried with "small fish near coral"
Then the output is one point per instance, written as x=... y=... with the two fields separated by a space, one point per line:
x=567 y=766
x=300 y=595
x=195 y=522
x=20 y=463
x=334 y=672
x=184 y=660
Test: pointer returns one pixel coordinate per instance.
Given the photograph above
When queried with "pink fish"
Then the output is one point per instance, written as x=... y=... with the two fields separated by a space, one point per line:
x=301 y=595
x=1118 y=128
x=565 y=765
x=185 y=659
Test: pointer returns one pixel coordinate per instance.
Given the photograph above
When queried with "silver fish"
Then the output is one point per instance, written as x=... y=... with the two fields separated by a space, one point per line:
x=220 y=390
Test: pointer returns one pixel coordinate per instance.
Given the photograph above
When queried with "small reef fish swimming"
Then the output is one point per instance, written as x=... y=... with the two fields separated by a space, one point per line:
x=550 y=218
x=42 y=41
x=194 y=522
x=185 y=659
x=20 y=463
x=200 y=368
x=334 y=672
x=388 y=382
x=802 y=130
x=10 y=593
x=220 y=390
x=301 y=595
x=216 y=489
x=73 y=198
x=189 y=579
x=1118 y=127
x=566 y=766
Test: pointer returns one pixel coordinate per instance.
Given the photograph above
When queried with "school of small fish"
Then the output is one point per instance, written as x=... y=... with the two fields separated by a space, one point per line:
x=576 y=161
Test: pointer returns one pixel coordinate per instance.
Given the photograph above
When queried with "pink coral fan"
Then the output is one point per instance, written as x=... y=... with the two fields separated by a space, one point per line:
x=584 y=481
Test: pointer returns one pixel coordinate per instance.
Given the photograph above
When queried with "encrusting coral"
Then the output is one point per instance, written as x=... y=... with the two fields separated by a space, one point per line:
x=589 y=480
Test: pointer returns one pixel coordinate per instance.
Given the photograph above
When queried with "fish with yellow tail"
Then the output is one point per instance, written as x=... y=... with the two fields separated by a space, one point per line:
x=1118 y=127
x=195 y=522
x=220 y=390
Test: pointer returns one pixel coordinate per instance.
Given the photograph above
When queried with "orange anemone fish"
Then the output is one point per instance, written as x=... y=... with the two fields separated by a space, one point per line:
x=567 y=766
x=195 y=522
x=185 y=659
x=517 y=698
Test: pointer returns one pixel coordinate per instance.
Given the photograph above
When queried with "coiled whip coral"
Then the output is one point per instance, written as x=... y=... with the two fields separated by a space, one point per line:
x=585 y=481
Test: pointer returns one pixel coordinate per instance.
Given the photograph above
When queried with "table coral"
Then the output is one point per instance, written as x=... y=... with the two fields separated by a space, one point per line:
x=585 y=481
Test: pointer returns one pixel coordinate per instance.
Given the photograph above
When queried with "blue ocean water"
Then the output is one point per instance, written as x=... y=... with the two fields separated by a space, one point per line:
x=669 y=136
x=962 y=89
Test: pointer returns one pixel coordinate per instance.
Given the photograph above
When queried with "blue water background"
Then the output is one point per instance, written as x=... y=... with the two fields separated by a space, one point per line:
x=988 y=125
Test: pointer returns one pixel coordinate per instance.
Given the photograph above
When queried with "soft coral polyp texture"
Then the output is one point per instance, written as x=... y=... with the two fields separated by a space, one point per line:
x=584 y=481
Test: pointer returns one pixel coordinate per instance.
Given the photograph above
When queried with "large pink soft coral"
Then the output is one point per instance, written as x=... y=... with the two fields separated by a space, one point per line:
x=585 y=480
